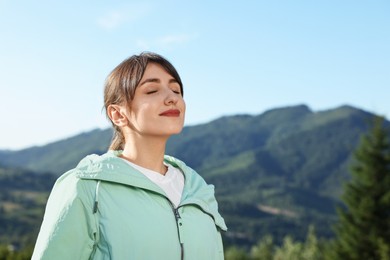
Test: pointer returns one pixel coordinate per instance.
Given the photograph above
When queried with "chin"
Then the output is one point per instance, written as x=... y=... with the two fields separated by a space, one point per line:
x=176 y=131
x=166 y=131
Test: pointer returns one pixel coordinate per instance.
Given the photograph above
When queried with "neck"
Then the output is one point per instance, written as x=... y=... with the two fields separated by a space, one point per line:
x=147 y=152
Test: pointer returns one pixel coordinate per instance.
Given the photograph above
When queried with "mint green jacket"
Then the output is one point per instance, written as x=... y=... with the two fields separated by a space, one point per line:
x=105 y=209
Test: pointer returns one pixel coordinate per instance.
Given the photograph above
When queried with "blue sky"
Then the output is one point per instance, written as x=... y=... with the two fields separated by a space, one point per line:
x=234 y=57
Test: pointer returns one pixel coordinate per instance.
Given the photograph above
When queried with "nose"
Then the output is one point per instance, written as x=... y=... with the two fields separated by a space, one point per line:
x=171 y=97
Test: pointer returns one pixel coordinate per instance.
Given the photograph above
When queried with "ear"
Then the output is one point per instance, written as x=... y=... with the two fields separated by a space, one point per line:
x=117 y=114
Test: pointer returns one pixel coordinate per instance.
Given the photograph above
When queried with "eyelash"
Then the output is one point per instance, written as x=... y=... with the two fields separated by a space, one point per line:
x=154 y=91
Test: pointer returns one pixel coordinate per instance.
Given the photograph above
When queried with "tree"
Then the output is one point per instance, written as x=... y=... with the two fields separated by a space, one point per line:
x=235 y=253
x=312 y=249
x=7 y=252
x=264 y=249
x=289 y=250
x=363 y=230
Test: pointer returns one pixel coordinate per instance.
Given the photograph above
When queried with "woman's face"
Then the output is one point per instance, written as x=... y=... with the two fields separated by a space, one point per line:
x=158 y=108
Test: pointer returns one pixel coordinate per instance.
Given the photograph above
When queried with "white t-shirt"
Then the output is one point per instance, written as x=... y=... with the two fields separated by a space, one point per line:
x=172 y=183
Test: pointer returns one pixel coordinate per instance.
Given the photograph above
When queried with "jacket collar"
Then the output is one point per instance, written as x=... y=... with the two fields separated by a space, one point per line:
x=109 y=167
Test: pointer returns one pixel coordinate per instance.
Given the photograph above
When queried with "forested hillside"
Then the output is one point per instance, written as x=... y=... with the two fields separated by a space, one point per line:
x=23 y=196
x=275 y=173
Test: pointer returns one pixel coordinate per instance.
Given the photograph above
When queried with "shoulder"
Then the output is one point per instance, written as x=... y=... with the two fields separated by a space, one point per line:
x=95 y=162
x=71 y=185
x=83 y=178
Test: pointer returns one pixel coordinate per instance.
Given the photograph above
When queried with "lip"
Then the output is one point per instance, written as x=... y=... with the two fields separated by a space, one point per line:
x=171 y=113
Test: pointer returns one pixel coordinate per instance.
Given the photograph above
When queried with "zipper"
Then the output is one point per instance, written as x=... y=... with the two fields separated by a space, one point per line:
x=178 y=224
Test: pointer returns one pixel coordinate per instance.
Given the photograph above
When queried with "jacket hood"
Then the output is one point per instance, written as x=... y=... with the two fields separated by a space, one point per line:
x=111 y=168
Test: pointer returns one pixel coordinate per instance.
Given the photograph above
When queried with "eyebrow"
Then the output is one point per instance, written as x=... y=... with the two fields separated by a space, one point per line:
x=156 y=80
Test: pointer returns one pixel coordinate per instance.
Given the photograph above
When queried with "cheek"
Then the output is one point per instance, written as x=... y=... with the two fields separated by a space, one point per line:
x=183 y=105
x=143 y=112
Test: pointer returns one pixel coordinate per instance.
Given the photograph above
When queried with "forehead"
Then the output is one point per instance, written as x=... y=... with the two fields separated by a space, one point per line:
x=155 y=70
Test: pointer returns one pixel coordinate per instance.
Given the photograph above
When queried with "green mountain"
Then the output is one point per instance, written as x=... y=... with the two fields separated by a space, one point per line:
x=274 y=173
x=23 y=196
x=60 y=156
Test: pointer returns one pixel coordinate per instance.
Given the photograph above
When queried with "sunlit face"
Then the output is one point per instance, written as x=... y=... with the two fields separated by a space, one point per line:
x=158 y=108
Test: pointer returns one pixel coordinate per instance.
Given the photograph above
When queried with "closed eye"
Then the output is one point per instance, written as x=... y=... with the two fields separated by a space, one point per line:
x=151 y=92
x=175 y=89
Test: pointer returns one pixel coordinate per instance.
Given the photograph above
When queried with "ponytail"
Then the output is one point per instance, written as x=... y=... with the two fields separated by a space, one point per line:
x=118 y=140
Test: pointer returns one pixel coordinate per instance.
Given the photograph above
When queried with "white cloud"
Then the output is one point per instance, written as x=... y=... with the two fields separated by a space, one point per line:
x=165 y=41
x=175 y=39
x=130 y=13
x=112 y=20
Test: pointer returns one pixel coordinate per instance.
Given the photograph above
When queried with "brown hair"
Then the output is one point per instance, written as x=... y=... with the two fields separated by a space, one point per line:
x=122 y=82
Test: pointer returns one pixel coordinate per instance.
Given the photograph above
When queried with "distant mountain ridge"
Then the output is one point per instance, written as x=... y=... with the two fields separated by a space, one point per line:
x=60 y=156
x=274 y=172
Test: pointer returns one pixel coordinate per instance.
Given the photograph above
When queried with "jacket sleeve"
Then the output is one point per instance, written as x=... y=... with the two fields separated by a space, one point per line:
x=69 y=226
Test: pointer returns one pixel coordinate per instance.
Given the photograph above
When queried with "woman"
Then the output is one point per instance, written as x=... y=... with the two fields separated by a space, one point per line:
x=134 y=202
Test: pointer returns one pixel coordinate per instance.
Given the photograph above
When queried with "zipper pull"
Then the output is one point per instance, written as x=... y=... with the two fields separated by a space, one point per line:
x=177 y=214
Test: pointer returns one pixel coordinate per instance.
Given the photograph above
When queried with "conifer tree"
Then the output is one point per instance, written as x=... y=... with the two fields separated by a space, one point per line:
x=363 y=230
x=312 y=249
x=264 y=249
